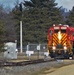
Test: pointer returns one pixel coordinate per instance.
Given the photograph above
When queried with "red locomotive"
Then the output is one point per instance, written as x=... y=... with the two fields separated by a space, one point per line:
x=61 y=41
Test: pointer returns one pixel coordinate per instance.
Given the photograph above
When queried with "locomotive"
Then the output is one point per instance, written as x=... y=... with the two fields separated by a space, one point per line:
x=60 y=41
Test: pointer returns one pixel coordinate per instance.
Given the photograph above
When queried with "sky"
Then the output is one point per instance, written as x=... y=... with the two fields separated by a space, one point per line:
x=65 y=3
x=9 y=3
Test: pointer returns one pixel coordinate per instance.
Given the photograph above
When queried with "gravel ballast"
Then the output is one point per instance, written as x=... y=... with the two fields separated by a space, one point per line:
x=30 y=69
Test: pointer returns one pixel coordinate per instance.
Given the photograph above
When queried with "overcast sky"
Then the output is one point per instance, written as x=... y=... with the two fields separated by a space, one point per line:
x=65 y=3
x=10 y=3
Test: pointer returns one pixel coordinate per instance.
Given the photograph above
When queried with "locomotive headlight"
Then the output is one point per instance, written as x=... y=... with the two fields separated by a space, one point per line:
x=53 y=47
x=59 y=35
x=65 y=48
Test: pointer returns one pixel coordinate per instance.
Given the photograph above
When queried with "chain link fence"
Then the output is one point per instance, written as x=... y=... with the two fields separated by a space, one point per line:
x=34 y=47
x=35 y=51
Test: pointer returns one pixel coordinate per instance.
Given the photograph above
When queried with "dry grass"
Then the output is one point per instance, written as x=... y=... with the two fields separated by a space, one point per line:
x=65 y=70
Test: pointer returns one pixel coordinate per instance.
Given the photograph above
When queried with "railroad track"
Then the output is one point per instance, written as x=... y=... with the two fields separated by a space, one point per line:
x=23 y=63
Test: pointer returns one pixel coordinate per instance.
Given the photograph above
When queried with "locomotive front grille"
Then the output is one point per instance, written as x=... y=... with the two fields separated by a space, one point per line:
x=59 y=46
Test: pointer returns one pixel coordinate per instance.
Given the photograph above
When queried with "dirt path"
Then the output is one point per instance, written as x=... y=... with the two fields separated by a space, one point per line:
x=65 y=70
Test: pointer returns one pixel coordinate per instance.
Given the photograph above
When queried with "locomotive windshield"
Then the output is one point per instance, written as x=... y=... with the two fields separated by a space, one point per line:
x=62 y=30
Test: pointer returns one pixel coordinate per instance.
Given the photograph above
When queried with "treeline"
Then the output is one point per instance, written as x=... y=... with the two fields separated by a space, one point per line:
x=37 y=16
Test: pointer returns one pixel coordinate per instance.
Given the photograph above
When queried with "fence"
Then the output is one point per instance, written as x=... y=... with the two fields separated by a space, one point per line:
x=36 y=50
x=35 y=47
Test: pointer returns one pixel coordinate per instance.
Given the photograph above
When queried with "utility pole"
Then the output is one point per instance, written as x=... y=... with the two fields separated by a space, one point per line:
x=21 y=37
x=21 y=44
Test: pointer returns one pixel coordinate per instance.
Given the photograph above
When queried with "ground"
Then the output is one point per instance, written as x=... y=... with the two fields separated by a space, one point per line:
x=65 y=70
